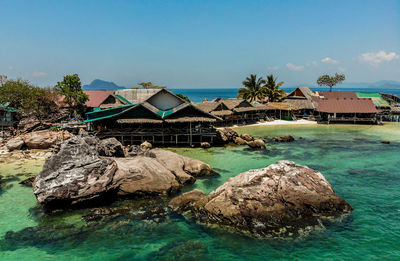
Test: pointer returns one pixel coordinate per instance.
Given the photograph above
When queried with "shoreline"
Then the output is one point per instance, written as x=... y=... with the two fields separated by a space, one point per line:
x=277 y=123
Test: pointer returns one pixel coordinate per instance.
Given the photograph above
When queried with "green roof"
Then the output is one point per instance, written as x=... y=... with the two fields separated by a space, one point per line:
x=125 y=100
x=163 y=114
x=375 y=97
x=6 y=108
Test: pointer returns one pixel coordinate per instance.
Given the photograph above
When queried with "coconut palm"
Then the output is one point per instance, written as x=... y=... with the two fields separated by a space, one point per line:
x=272 y=89
x=253 y=88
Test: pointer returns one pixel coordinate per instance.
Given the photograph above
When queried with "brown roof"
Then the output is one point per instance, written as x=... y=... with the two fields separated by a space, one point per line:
x=346 y=106
x=232 y=103
x=141 y=120
x=301 y=103
x=338 y=95
x=222 y=113
x=97 y=97
x=283 y=106
x=207 y=106
x=304 y=90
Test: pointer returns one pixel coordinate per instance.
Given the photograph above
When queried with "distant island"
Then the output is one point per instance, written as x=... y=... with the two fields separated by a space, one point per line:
x=98 y=84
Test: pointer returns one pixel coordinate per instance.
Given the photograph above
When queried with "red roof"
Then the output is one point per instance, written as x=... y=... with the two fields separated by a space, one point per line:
x=96 y=97
x=338 y=95
x=347 y=106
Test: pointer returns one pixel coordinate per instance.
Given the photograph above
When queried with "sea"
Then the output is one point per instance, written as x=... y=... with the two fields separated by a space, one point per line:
x=362 y=170
x=198 y=95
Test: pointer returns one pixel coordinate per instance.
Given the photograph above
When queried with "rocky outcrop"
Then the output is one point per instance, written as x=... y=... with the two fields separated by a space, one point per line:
x=111 y=147
x=15 y=143
x=226 y=135
x=240 y=141
x=256 y=144
x=284 y=138
x=281 y=199
x=77 y=174
x=205 y=145
x=44 y=139
x=247 y=137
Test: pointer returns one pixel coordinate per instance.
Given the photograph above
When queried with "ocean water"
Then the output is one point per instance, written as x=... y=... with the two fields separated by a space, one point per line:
x=362 y=170
x=197 y=95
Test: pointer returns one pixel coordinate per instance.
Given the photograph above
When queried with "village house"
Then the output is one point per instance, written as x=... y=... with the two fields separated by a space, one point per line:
x=154 y=115
x=301 y=99
x=7 y=117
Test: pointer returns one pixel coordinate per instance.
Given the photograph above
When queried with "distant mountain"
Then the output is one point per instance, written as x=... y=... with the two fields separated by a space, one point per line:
x=101 y=85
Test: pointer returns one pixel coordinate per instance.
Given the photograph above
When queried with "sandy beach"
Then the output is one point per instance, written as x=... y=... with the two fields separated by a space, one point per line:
x=279 y=122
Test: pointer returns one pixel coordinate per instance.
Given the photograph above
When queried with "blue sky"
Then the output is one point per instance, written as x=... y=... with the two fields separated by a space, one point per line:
x=199 y=44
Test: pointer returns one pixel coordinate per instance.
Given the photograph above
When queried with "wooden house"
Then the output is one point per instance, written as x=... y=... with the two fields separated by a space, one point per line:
x=301 y=99
x=7 y=117
x=154 y=115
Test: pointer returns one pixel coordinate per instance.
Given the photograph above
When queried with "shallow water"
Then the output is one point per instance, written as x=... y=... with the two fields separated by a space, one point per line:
x=361 y=169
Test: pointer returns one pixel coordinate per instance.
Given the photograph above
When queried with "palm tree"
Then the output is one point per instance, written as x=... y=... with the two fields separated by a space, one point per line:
x=253 y=88
x=272 y=89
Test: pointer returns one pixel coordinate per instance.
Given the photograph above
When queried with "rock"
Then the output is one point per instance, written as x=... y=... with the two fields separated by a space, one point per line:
x=205 y=145
x=240 y=141
x=284 y=138
x=281 y=199
x=146 y=145
x=1 y=140
x=76 y=174
x=385 y=142
x=247 y=137
x=27 y=124
x=226 y=135
x=44 y=139
x=28 y=182
x=15 y=143
x=111 y=147
x=256 y=144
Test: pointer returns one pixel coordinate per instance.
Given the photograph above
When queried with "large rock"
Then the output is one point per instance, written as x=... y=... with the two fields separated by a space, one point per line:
x=284 y=138
x=44 y=139
x=146 y=145
x=74 y=175
x=77 y=174
x=111 y=147
x=226 y=135
x=240 y=141
x=281 y=199
x=256 y=144
x=247 y=137
x=15 y=143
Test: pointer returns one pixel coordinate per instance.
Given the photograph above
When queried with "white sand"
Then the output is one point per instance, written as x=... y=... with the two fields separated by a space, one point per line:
x=280 y=122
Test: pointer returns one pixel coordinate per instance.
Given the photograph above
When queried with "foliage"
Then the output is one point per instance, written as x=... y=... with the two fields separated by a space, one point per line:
x=253 y=88
x=27 y=98
x=3 y=79
x=326 y=80
x=183 y=97
x=259 y=88
x=74 y=97
x=272 y=89
x=149 y=85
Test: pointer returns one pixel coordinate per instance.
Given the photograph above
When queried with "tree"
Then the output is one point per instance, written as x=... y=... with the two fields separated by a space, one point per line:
x=253 y=88
x=326 y=80
x=272 y=89
x=3 y=79
x=149 y=85
x=16 y=93
x=43 y=102
x=183 y=97
x=71 y=89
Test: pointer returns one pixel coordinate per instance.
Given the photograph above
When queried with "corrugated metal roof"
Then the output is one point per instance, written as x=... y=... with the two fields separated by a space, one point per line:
x=375 y=97
x=137 y=95
x=338 y=95
x=97 y=97
x=346 y=106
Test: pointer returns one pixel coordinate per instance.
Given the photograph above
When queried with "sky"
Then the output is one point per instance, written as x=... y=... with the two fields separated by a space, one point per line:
x=199 y=44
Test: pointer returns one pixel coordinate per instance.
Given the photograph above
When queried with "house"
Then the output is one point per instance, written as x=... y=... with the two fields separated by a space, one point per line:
x=376 y=98
x=154 y=115
x=7 y=117
x=347 y=110
x=284 y=110
x=301 y=99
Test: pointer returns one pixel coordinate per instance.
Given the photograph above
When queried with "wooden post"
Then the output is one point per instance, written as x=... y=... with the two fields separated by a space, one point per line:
x=190 y=134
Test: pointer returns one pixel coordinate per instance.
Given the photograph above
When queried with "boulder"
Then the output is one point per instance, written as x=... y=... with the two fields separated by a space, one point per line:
x=111 y=147
x=28 y=182
x=256 y=144
x=75 y=174
x=146 y=145
x=281 y=199
x=240 y=141
x=205 y=145
x=284 y=138
x=15 y=143
x=226 y=135
x=44 y=139
x=247 y=137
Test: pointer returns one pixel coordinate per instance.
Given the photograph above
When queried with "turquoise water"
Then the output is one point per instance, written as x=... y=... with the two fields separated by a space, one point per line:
x=361 y=169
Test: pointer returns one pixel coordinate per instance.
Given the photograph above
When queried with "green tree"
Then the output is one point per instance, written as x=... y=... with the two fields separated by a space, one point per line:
x=253 y=88
x=43 y=102
x=71 y=88
x=149 y=85
x=16 y=93
x=272 y=89
x=183 y=97
x=326 y=80
x=3 y=79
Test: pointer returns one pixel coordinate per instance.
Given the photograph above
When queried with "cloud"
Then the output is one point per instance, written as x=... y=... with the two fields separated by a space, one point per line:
x=39 y=74
x=378 y=57
x=329 y=60
x=273 y=68
x=294 y=67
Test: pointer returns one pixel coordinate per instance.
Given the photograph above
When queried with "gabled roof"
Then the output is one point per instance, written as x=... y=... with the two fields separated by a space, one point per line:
x=137 y=95
x=304 y=91
x=346 y=106
x=210 y=106
x=97 y=97
x=234 y=103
